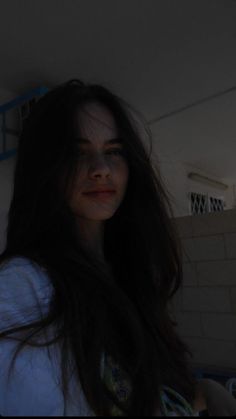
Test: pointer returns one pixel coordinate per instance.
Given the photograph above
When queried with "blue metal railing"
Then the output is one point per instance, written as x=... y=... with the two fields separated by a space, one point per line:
x=13 y=104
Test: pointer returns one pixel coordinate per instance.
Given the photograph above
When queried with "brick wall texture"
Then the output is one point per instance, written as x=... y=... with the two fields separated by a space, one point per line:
x=205 y=306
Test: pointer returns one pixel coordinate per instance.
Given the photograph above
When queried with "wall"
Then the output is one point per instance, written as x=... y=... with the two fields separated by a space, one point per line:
x=6 y=95
x=205 y=307
x=200 y=139
x=175 y=176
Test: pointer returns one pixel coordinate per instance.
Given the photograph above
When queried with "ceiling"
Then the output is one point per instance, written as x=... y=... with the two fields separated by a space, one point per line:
x=160 y=55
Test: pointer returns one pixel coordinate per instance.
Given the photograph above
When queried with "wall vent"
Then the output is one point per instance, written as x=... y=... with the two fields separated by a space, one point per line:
x=204 y=203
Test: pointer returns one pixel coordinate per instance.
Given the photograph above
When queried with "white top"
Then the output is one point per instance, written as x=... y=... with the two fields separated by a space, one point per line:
x=33 y=388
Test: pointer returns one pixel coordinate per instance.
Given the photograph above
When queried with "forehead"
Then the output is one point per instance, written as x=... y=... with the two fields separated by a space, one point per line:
x=94 y=121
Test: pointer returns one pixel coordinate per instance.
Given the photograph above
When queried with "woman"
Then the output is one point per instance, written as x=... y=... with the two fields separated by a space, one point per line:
x=91 y=263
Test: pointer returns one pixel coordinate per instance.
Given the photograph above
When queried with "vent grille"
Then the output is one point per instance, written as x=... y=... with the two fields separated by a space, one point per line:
x=203 y=204
x=216 y=204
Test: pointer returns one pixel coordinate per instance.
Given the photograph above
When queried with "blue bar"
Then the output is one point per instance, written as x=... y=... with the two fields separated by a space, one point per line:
x=20 y=100
x=7 y=154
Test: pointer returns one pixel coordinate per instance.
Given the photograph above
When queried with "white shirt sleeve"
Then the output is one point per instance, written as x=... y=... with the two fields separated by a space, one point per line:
x=33 y=388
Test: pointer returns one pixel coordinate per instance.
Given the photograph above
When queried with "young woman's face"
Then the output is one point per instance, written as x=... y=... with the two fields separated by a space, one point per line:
x=102 y=165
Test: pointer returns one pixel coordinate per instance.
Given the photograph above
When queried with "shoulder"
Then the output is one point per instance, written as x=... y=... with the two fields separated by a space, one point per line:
x=21 y=272
x=25 y=289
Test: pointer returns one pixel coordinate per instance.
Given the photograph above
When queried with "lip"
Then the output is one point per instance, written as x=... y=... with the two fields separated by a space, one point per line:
x=100 y=191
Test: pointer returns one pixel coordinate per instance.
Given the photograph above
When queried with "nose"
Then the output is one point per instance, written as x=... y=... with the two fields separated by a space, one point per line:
x=99 y=167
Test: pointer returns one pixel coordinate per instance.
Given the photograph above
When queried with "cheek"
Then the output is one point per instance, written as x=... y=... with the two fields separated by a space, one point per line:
x=123 y=175
x=80 y=177
x=77 y=186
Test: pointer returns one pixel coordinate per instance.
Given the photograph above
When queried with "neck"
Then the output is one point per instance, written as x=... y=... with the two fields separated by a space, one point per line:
x=91 y=233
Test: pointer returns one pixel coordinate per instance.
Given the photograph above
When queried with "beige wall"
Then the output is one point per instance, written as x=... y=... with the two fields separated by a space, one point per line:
x=205 y=307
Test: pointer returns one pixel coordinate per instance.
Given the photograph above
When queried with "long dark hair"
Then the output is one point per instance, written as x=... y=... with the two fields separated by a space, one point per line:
x=125 y=315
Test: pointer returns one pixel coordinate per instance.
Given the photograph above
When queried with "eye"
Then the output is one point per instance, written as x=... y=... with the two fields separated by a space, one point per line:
x=114 y=152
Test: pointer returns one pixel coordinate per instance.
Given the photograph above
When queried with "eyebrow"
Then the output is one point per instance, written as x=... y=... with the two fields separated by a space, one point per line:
x=111 y=141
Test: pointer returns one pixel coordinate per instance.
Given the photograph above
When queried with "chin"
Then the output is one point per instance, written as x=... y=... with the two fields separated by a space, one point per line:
x=100 y=217
x=100 y=213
